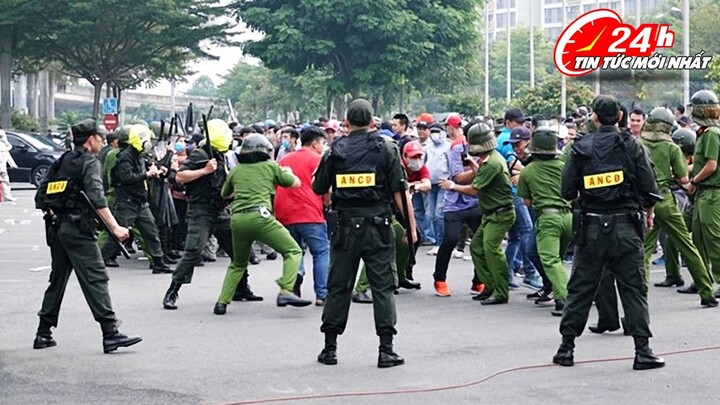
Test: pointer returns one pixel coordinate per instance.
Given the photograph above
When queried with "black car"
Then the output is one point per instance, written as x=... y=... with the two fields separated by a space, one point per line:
x=32 y=157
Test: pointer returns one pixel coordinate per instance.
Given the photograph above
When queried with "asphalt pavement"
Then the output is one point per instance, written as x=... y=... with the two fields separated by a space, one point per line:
x=259 y=351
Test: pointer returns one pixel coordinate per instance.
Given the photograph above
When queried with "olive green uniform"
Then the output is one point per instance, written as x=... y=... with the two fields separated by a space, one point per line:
x=73 y=240
x=540 y=182
x=402 y=258
x=706 y=215
x=252 y=185
x=669 y=163
x=364 y=230
x=492 y=180
x=671 y=252
x=131 y=208
x=612 y=239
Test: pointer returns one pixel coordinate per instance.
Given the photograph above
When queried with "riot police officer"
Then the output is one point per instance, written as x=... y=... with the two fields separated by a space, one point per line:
x=705 y=180
x=131 y=207
x=71 y=235
x=365 y=174
x=207 y=213
x=611 y=175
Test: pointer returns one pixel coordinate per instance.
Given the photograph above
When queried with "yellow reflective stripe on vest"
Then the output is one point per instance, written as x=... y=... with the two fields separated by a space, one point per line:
x=56 y=187
x=603 y=179
x=355 y=180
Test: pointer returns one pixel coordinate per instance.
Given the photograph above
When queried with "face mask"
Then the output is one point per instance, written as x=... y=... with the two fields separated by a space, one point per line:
x=179 y=147
x=415 y=164
x=436 y=137
x=285 y=144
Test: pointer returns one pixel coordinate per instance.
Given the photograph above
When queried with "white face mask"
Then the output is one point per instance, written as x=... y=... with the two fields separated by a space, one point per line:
x=436 y=137
x=415 y=164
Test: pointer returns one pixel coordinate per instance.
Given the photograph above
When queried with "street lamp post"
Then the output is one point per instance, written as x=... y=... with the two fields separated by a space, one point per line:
x=508 y=72
x=563 y=79
x=487 y=61
x=686 y=49
x=532 y=45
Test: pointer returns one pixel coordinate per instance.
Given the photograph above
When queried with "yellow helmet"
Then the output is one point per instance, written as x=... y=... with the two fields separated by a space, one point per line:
x=139 y=138
x=220 y=135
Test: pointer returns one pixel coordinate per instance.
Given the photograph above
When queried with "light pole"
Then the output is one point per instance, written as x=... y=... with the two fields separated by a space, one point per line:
x=532 y=45
x=597 y=71
x=487 y=61
x=563 y=79
x=686 y=49
x=508 y=72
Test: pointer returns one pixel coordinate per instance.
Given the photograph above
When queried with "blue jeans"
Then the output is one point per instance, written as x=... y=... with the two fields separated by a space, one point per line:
x=315 y=237
x=518 y=241
x=433 y=200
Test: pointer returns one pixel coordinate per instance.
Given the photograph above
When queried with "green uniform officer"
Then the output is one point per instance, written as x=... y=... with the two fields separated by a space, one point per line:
x=492 y=186
x=131 y=206
x=252 y=184
x=72 y=237
x=670 y=166
x=611 y=175
x=364 y=172
x=539 y=186
x=705 y=182
x=207 y=211
x=107 y=168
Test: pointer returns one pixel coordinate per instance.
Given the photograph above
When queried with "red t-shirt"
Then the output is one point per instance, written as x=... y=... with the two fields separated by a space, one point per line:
x=299 y=205
x=419 y=175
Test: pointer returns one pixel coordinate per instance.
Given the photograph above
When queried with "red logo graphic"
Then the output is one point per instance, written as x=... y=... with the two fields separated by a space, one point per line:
x=595 y=35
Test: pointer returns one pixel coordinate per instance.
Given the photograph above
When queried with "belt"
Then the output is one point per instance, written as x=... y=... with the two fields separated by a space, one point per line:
x=554 y=210
x=499 y=209
x=624 y=217
x=252 y=209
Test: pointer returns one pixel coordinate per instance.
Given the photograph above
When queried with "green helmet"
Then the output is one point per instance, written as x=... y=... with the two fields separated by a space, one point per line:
x=588 y=126
x=685 y=138
x=660 y=120
x=481 y=138
x=544 y=140
x=123 y=134
x=155 y=126
x=257 y=143
x=705 y=108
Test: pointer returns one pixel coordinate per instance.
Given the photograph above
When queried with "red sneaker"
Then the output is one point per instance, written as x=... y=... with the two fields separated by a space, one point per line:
x=442 y=289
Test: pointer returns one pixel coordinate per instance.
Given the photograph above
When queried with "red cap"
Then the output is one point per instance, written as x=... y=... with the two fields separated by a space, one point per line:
x=454 y=121
x=412 y=149
x=425 y=117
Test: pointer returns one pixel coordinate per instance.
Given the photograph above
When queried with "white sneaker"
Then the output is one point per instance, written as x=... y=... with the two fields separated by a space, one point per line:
x=11 y=199
x=467 y=258
x=433 y=251
x=458 y=254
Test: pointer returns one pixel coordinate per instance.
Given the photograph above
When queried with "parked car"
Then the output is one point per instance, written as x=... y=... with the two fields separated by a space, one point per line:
x=33 y=158
x=44 y=139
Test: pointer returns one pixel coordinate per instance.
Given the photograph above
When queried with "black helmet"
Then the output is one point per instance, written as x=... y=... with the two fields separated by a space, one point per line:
x=257 y=143
x=705 y=108
x=685 y=138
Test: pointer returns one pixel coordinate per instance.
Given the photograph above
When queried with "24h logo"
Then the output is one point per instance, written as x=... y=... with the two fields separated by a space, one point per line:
x=600 y=39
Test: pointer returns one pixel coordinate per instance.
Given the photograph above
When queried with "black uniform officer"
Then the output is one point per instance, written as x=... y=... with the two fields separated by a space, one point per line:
x=131 y=208
x=365 y=174
x=613 y=177
x=207 y=213
x=72 y=236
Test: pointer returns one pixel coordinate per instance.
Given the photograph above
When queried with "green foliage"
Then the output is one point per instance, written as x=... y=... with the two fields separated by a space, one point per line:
x=544 y=99
x=69 y=118
x=519 y=61
x=24 y=122
x=203 y=87
x=363 y=46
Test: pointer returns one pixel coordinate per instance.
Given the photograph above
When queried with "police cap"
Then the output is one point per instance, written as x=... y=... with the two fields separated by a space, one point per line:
x=360 y=112
x=85 y=129
x=606 y=106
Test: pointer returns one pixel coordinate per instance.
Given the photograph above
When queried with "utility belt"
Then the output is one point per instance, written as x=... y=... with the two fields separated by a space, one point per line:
x=499 y=209
x=552 y=211
x=356 y=226
x=264 y=212
x=85 y=221
x=607 y=221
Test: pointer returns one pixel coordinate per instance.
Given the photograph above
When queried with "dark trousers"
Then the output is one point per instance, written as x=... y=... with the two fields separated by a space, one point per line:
x=180 y=230
x=133 y=214
x=614 y=246
x=71 y=249
x=375 y=245
x=453 y=223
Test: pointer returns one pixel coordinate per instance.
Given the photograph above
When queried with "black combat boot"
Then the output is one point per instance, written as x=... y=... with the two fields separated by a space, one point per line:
x=173 y=254
x=298 y=283
x=168 y=260
x=407 y=284
x=113 y=339
x=43 y=338
x=171 y=295
x=644 y=357
x=254 y=259
x=328 y=355
x=564 y=355
x=387 y=357
x=243 y=292
x=671 y=281
x=111 y=262
x=159 y=267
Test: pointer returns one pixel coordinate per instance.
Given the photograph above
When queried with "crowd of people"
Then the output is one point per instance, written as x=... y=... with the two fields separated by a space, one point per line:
x=497 y=189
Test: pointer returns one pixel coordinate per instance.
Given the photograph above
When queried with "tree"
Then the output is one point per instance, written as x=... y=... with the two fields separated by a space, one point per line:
x=360 y=45
x=126 y=40
x=203 y=87
x=544 y=99
x=519 y=61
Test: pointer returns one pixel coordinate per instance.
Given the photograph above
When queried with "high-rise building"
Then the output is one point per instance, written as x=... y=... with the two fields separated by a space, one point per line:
x=548 y=14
